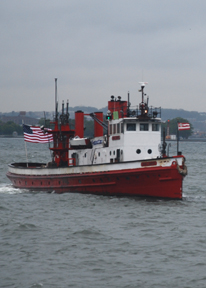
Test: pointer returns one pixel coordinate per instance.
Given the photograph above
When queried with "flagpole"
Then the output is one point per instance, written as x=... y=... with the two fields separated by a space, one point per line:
x=44 y=131
x=27 y=161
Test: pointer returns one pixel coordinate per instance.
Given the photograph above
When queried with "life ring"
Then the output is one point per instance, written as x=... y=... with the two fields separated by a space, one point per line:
x=183 y=171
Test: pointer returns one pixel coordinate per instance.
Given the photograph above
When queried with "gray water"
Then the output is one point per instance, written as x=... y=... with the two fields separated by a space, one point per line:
x=75 y=240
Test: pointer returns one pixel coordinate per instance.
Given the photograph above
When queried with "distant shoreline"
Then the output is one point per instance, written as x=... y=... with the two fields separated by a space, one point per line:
x=169 y=140
x=188 y=140
x=11 y=136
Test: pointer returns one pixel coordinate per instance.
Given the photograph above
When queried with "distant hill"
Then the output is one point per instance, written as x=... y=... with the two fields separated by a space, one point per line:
x=197 y=119
x=173 y=113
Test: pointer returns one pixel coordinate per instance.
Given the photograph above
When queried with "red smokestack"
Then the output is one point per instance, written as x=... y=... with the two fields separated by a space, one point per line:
x=79 y=124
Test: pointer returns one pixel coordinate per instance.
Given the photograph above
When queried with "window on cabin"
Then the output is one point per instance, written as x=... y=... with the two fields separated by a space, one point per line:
x=131 y=126
x=155 y=127
x=114 y=129
x=144 y=126
x=122 y=127
x=110 y=129
x=118 y=128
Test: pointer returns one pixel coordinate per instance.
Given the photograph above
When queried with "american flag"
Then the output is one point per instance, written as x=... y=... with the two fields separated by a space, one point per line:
x=36 y=134
x=183 y=126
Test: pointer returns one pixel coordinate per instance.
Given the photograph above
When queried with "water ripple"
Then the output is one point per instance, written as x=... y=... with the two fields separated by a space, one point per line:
x=76 y=240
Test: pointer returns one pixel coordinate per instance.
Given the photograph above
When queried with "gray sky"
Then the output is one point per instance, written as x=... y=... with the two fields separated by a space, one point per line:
x=98 y=48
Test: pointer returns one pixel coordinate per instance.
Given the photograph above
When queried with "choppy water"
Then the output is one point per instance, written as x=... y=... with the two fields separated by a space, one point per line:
x=74 y=240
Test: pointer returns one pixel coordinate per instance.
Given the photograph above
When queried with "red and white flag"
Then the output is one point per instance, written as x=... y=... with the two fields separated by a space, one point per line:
x=36 y=134
x=183 y=126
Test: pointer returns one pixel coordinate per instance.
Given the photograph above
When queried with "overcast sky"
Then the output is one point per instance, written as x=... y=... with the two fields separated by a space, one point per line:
x=99 y=48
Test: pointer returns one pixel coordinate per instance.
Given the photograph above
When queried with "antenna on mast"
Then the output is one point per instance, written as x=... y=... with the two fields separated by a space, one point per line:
x=143 y=106
x=56 y=102
x=142 y=89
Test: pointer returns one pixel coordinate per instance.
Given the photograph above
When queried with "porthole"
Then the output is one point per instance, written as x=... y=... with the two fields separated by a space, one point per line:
x=149 y=151
x=138 y=151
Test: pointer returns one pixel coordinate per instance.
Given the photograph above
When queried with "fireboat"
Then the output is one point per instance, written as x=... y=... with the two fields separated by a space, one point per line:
x=126 y=156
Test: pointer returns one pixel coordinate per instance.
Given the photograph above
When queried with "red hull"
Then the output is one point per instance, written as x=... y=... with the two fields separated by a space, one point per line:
x=162 y=182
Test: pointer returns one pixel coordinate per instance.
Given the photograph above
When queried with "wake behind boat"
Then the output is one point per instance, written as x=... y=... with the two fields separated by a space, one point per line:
x=124 y=158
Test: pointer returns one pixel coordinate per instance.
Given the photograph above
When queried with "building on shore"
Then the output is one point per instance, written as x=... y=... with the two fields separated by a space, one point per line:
x=20 y=119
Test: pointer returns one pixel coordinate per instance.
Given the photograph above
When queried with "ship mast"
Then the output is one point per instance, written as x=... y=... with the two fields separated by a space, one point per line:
x=143 y=106
x=61 y=134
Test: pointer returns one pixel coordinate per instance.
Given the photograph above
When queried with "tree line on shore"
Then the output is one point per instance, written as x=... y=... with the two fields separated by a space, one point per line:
x=10 y=128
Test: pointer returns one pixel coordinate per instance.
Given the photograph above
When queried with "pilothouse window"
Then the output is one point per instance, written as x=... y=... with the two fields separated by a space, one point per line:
x=144 y=127
x=155 y=127
x=114 y=129
x=118 y=128
x=131 y=126
x=110 y=129
x=122 y=128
